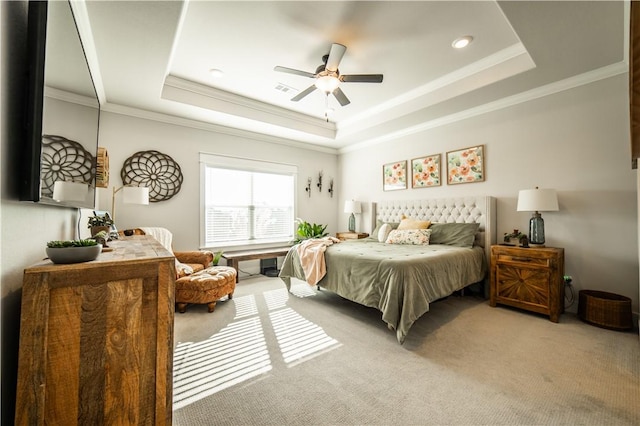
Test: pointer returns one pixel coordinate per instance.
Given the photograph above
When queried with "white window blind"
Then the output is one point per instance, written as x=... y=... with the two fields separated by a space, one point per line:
x=246 y=201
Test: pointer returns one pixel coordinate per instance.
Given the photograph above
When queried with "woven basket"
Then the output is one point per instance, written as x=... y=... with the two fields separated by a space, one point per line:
x=606 y=310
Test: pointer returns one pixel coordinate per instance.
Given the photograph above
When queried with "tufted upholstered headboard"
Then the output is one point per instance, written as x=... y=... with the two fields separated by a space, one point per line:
x=481 y=209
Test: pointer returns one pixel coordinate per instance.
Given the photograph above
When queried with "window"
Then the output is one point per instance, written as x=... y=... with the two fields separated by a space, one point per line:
x=246 y=201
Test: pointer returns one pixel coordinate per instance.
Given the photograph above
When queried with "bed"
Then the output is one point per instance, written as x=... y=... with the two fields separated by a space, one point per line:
x=401 y=280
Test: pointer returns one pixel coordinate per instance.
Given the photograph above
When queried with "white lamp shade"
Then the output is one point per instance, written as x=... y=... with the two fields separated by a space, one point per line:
x=351 y=206
x=70 y=191
x=135 y=195
x=537 y=200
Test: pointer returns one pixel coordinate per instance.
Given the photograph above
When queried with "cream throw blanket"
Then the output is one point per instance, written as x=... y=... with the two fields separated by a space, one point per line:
x=311 y=254
x=165 y=237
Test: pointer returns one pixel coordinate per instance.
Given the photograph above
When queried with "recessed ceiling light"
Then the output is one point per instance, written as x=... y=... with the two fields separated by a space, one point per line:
x=216 y=73
x=461 y=42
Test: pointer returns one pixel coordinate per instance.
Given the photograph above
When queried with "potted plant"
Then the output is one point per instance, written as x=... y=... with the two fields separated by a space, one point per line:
x=73 y=251
x=100 y=223
x=216 y=258
x=306 y=230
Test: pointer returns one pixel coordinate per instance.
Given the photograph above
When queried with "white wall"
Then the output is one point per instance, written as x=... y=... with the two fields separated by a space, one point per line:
x=575 y=141
x=122 y=136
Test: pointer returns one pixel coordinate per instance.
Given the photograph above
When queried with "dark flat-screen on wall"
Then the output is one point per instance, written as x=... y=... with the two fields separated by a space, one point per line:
x=63 y=111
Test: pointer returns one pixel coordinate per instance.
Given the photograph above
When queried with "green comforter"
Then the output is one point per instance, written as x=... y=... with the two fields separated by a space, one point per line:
x=399 y=280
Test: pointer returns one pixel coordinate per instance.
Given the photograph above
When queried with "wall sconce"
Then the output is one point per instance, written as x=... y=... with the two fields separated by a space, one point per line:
x=308 y=188
x=320 y=181
x=330 y=190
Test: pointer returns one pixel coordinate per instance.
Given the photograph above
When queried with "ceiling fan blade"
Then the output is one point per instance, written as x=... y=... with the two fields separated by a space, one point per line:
x=361 y=78
x=292 y=71
x=304 y=93
x=335 y=56
x=341 y=97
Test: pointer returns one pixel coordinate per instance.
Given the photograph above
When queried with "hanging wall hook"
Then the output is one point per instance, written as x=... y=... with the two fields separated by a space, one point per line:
x=308 y=188
x=330 y=190
x=320 y=181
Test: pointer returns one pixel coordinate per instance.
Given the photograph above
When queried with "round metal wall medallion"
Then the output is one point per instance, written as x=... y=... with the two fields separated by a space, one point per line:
x=155 y=170
x=64 y=160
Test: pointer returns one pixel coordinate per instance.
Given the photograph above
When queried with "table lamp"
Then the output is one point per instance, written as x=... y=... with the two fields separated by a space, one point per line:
x=537 y=200
x=70 y=191
x=352 y=207
x=130 y=195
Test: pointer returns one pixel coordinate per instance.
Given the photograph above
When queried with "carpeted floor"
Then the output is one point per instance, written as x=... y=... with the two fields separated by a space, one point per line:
x=312 y=358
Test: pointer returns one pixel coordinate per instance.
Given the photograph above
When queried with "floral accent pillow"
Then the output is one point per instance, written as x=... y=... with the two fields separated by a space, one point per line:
x=409 y=236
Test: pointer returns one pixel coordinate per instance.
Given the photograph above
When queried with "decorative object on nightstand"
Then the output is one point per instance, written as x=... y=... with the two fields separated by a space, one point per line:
x=352 y=207
x=520 y=239
x=528 y=278
x=351 y=235
x=537 y=200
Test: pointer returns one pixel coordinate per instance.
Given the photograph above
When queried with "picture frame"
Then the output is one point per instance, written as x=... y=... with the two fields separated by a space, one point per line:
x=394 y=176
x=466 y=165
x=425 y=171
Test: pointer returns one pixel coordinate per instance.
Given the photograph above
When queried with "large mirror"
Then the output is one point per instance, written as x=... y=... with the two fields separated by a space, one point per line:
x=70 y=115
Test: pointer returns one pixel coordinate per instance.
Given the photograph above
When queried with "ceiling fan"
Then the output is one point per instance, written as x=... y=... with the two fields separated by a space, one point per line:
x=328 y=77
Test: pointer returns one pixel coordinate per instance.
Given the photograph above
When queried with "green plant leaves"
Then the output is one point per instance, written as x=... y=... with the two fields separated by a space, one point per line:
x=307 y=230
x=71 y=243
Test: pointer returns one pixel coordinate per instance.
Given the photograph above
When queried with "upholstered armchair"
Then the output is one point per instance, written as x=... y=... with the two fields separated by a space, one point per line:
x=195 y=261
x=197 y=281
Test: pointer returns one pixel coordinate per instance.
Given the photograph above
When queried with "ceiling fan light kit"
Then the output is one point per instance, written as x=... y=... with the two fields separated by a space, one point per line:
x=328 y=77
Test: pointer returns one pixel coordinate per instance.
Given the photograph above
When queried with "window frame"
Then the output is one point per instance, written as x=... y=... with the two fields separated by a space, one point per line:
x=248 y=165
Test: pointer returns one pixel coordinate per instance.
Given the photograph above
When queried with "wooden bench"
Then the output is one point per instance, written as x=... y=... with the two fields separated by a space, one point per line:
x=234 y=257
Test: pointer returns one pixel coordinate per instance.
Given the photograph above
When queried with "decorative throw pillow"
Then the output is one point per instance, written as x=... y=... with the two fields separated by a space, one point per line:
x=379 y=223
x=383 y=233
x=454 y=234
x=409 y=223
x=409 y=236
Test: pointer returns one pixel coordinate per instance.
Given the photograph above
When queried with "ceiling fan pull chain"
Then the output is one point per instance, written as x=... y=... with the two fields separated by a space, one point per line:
x=326 y=106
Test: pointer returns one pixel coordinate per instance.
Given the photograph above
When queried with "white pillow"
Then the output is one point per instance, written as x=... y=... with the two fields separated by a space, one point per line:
x=383 y=233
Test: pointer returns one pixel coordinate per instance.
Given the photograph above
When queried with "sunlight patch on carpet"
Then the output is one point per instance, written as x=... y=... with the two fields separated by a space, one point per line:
x=302 y=289
x=298 y=337
x=235 y=354
x=245 y=306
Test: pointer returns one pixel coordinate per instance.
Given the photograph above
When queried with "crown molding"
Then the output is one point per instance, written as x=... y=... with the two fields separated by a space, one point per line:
x=73 y=98
x=192 y=93
x=81 y=16
x=509 y=101
x=216 y=128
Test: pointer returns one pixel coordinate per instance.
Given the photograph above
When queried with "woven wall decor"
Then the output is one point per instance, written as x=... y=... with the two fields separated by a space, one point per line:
x=102 y=168
x=64 y=160
x=155 y=170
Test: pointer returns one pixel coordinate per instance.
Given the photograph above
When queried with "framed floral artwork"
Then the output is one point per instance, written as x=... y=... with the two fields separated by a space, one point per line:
x=394 y=176
x=425 y=171
x=465 y=165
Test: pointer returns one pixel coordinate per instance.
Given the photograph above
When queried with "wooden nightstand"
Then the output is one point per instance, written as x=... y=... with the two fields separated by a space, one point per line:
x=351 y=235
x=528 y=278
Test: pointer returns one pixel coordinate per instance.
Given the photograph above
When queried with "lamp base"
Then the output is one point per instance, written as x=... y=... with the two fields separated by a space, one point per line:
x=536 y=230
x=352 y=223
